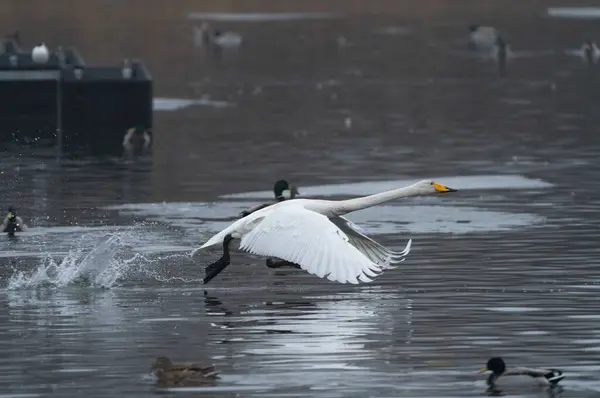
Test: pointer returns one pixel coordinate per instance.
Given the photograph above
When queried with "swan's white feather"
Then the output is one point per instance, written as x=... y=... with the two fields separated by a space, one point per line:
x=311 y=240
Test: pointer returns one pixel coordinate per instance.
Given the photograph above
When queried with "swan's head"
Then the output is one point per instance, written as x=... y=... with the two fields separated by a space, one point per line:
x=429 y=187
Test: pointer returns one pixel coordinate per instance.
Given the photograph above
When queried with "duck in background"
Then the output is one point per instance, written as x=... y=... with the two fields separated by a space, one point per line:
x=278 y=188
x=205 y=36
x=136 y=139
x=13 y=223
x=169 y=374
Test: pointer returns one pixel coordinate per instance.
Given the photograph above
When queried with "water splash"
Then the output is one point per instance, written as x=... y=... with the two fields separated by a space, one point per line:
x=109 y=259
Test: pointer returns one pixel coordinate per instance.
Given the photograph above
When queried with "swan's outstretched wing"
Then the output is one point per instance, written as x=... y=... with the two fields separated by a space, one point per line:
x=311 y=240
x=367 y=246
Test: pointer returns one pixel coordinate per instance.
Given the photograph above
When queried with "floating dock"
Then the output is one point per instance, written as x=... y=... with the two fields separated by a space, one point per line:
x=69 y=104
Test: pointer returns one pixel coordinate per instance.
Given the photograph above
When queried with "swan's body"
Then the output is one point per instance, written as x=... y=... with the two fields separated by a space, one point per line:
x=313 y=234
x=503 y=378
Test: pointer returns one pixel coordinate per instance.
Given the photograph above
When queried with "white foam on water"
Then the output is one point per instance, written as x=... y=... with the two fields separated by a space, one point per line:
x=260 y=16
x=574 y=12
x=173 y=104
x=371 y=187
x=97 y=261
x=94 y=260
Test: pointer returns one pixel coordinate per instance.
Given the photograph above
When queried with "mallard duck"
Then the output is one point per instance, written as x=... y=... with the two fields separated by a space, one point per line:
x=278 y=188
x=314 y=234
x=502 y=377
x=136 y=138
x=12 y=223
x=169 y=374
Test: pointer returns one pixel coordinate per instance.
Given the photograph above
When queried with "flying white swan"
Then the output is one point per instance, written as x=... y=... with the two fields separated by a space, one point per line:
x=313 y=234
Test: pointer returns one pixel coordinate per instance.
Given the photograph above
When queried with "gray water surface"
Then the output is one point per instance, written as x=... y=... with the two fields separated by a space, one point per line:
x=506 y=266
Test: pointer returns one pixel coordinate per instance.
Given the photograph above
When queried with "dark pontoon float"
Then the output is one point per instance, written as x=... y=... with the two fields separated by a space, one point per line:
x=60 y=101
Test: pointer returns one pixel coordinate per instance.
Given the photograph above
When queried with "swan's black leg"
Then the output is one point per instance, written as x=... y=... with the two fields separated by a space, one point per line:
x=282 y=263
x=215 y=268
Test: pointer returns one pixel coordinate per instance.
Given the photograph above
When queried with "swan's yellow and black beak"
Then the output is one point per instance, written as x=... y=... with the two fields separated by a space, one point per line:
x=442 y=188
x=483 y=370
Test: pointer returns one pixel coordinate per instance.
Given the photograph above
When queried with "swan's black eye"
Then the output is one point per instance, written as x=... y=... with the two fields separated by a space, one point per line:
x=431 y=183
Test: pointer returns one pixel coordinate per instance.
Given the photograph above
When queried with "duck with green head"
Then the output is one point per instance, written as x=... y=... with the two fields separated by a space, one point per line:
x=12 y=223
x=278 y=188
x=505 y=379
x=169 y=374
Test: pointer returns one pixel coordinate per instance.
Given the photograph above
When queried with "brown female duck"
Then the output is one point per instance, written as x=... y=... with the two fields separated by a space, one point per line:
x=169 y=374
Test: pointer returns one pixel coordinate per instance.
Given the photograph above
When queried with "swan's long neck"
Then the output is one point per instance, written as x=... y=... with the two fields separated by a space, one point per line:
x=347 y=206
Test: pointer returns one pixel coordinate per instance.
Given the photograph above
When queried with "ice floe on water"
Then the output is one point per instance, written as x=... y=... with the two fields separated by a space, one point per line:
x=371 y=187
x=173 y=104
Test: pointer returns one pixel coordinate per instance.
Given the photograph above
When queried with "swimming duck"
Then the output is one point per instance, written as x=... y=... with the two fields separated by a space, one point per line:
x=12 y=223
x=503 y=378
x=169 y=374
x=136 y=138
x=204 y=36
x=590 y=52
x=482 y=37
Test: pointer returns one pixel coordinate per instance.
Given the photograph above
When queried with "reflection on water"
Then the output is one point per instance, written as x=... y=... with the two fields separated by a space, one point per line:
x=103 y=282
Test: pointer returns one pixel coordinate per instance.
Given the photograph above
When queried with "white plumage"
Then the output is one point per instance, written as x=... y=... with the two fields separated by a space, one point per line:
x=313 y=234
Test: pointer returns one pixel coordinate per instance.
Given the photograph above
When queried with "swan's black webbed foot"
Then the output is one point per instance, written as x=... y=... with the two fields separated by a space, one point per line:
x=278 y=264
x=215 y=268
